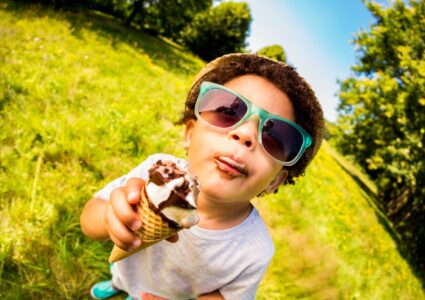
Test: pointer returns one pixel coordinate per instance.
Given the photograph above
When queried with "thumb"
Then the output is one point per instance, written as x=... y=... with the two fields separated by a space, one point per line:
x=133 y=189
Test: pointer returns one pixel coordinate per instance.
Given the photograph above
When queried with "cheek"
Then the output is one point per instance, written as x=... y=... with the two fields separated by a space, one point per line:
x=268 y=174
x=263 y=184
x=197 y=152
x=202 y=142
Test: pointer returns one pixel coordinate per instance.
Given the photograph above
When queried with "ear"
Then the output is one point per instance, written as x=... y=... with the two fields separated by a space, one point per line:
x=274 y=184
x=188 y=130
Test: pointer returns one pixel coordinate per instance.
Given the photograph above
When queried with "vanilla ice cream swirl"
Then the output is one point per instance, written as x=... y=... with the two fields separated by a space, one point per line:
x=173 y=192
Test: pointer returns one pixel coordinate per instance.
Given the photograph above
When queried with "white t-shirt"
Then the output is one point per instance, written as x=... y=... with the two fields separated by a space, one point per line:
x=232 y=261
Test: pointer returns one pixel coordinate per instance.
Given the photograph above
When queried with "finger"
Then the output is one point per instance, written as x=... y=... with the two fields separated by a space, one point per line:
x=124 y=210
x=173 y=238
x=133 y=188
x=125 y=246
x=119 y=233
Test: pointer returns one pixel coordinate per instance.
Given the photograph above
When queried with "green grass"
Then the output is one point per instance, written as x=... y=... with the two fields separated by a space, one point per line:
x=83 y=100
x=331 y=241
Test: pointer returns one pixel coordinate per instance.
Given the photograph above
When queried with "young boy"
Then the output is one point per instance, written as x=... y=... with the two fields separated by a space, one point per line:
x=251 y=124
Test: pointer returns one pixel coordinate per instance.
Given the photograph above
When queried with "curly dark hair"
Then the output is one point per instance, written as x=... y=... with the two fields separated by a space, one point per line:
x=308 y=112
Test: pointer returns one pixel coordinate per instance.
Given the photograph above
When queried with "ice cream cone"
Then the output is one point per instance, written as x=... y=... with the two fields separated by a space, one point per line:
x=153 y=230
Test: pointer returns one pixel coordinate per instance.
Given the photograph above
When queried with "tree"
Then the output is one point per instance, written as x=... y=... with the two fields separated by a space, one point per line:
x=136 y=8
x=166 y=17
x=219 y=30
x=159 y=17
x=169 y=17
x=275 y=52
x=382 y=113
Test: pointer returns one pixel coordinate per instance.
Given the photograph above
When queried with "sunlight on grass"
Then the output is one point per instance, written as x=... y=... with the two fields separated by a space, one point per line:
x=331 y=244
x=82 y=101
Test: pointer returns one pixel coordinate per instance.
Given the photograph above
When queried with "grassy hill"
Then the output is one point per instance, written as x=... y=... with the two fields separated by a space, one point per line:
x=83 y=100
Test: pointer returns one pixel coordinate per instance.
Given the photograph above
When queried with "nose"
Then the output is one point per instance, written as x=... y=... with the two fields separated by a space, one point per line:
x=246 y=133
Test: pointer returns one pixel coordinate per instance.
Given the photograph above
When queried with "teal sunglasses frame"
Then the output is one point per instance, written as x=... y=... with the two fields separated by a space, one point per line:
x=253 y=109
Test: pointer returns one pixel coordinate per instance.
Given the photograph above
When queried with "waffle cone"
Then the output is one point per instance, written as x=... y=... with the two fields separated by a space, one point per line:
x=153 y=230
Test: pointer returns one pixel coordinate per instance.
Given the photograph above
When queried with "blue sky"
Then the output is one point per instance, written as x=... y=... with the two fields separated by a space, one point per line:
x=316 y=36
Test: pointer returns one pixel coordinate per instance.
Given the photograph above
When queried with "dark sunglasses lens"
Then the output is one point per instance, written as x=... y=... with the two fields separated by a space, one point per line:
x=221 y=108
x=281 y=140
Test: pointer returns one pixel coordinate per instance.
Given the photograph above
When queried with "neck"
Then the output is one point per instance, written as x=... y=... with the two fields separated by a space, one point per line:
x=219 y=215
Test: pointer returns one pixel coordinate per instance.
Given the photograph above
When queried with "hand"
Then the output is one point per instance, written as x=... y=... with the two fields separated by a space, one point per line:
x=121 y=218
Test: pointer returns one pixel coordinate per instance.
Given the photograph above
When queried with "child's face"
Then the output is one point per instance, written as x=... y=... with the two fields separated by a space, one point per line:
x=232 y=166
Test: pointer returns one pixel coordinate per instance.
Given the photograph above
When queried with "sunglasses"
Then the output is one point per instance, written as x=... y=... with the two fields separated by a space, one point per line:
x=223 y=109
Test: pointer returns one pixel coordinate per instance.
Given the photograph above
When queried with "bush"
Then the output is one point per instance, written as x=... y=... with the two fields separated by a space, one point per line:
x=170 y=17
x=275 y=52
x=219 y=30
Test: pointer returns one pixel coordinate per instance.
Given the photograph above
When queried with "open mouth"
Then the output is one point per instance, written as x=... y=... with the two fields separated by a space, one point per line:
x=230 y=166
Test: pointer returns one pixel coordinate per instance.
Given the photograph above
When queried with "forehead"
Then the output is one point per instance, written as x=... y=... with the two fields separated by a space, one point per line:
x=264 y=94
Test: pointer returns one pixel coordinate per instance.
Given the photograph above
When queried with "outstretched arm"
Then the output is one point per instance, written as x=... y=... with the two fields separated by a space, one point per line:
x=92 y=219
x=115 y=219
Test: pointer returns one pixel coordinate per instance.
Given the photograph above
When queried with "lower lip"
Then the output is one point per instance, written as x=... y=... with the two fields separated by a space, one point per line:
x=228 y=169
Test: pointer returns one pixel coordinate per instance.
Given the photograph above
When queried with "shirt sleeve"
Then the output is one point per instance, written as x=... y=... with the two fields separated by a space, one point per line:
x=141 y=171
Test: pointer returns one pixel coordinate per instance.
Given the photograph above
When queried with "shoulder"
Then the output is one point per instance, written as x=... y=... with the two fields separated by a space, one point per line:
x=164 y=156
x=141 y=171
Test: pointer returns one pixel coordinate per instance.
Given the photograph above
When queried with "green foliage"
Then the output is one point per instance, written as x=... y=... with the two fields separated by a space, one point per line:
x=219 y=30
x=169 y=17
x=382 y=113
x=84 y=100
x=275 y=52
x=331 y=130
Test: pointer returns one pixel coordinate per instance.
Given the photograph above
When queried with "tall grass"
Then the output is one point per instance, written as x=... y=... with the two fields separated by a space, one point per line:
x=84 y=99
